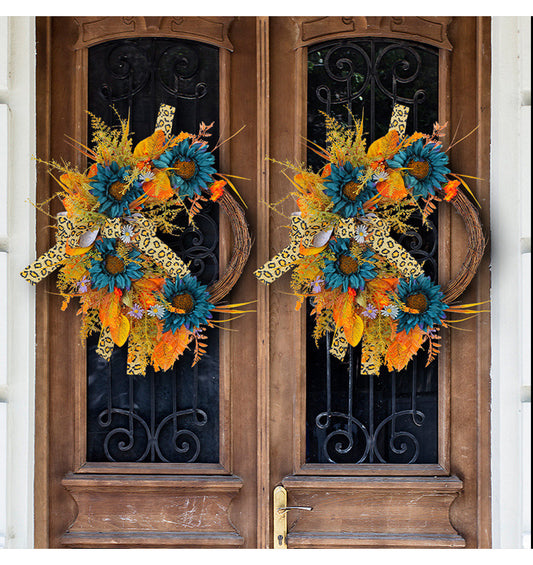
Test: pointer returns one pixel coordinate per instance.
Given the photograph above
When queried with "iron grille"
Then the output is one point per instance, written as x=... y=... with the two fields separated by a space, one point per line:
x=389 y=418
x=170 y=416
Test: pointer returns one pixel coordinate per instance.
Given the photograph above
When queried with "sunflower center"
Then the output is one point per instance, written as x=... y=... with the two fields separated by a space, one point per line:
x=183 y=302
x=417 y=302
x=351 y=190
x=348 y=265
x=114 y=264
x=418 y=169
x=185 y=169
x=118 y=189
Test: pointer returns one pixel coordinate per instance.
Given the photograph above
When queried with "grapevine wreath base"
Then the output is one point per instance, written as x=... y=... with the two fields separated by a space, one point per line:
x=131 y=286
x=364 y=287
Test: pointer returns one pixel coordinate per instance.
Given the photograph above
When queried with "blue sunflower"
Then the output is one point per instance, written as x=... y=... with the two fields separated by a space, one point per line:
x=110 y=270
x=425 y=167
x=189 y=295
x=190 y=166
x=343 y=186
x=423 y=296
x=115 y=192
x=347 y=270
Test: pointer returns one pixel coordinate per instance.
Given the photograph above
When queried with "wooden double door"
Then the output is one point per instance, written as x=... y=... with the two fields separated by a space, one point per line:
x=269 y=386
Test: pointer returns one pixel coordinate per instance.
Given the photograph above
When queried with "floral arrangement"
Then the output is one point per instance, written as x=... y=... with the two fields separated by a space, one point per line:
x=130 y=285
x=363 y=286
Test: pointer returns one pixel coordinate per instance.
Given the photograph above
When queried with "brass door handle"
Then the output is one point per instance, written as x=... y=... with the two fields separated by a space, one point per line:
x=280 y=517
x=283 y=509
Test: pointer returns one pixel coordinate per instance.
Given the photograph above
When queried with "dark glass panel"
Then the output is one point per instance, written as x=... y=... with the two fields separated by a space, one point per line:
x=173 y=415
x=391 y=417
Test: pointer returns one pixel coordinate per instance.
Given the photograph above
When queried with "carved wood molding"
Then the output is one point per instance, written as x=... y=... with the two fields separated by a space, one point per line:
x=378 y=511
x=152 y=511
x=432 y=30
x=213 y=30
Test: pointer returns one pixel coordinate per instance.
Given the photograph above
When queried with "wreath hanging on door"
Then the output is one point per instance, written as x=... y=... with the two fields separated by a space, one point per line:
x=363 y=285
x=131 y=286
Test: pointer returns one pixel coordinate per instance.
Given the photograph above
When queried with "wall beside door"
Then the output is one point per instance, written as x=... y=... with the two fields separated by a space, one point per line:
x=17 y=302
x=511 y=282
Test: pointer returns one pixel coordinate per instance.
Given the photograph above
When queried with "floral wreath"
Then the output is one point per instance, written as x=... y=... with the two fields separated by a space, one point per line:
x=364 y=287
x=131 y=286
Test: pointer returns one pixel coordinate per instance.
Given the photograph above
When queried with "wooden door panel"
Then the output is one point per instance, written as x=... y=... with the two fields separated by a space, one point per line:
x=385 y=505
x=105 y=504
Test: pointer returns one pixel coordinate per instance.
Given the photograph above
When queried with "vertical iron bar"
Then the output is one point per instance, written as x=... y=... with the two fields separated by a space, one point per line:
x=350 y=388
x=152 y=415
x=371 y=416
x=328 y=378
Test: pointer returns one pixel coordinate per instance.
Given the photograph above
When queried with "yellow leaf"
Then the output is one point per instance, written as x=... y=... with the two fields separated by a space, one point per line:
x=151 y=147
x=120 y=331
x=354 y=331
x=311 y=250
x=384 y=147
x=77 y=250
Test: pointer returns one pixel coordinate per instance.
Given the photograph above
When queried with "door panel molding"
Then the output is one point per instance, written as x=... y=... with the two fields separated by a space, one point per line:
x=372 y=511
x=114 y=510
x=213 y=30
x=431 y=30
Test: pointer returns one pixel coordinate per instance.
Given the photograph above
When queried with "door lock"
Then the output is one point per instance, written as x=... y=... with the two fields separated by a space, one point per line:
x=280 y=517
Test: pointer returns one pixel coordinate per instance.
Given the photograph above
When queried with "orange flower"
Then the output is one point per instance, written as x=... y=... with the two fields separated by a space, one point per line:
x=450 y=189
x=327 y=170
x=217 y=189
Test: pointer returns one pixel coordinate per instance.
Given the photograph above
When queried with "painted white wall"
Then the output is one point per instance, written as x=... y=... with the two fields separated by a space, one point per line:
x=17 y=306
x=511 y=281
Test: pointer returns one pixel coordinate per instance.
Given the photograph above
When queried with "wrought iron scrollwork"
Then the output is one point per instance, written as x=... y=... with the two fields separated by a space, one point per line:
x=367 y=77
x=171 y=416
x=132 y=77
x=391 y=417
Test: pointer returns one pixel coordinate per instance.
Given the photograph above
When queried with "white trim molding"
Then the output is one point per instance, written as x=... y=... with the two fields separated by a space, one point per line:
x=511 y=281
x=18 y=249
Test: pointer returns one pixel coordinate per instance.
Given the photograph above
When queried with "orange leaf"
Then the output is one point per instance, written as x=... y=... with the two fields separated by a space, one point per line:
x=217 y=189
x=402 y=349
x=327 y=170
x=151 y=147
x=379 y=288
x=110 y=310
x=450 y=189
x=169 y=348
x=393 y=187
x=343 y=310
x=150 y=285
x=159 y=187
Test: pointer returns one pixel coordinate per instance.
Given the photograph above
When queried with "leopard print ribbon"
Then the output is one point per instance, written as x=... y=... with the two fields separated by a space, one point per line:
x=398 y=119
x=48 y=262
x=379 y=240
x=147 y=241
x=164 y=120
